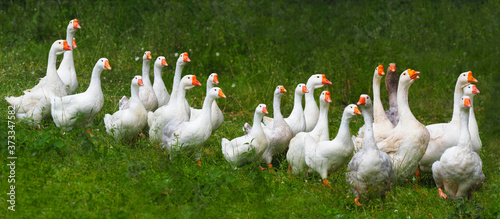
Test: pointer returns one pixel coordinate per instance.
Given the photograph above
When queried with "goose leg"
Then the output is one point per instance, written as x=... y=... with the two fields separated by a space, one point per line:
x=356 y=200
x=441 y=194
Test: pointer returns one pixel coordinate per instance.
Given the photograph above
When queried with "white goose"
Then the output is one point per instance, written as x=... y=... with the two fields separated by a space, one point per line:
x=370 y=171
x=408 y=140
x=127 y=123
x=158 y=85
x=179 y=66
x=146 y=92
x=445 y=135
x=249 y=147
x=459 y=170
x=82 y=107
x=66 y=70
x=35 y=104
x=217 y=117
x=391 y=83
x=471 y=90
x=278 y=133
x=175 y=109
x=190 y=136
x=296 y=119
x=296 y=151
x=311 y=110
x=331 y=155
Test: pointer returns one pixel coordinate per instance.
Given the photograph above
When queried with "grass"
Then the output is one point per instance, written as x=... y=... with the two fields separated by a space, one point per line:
x=253 y=46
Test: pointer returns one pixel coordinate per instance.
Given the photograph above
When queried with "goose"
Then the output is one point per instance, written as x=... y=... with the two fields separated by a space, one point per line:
x=66 y=70
x=190 y=136
x=370 y=171
x=278 y=133
x=459 y=170
x=311 y=110
x=35 y=104
x=159 y=87
x=82 y=107
x=331 y=155
x=296 y=151
x=217 y=117
x=391 y=83
x=381 y=123
x=296 y=119
x=126 y=123
x=175 y=109
x=146 y=92
x=181 y=63
x=445 y=135
x=471 y=90
x=249 y=147
x=407 y=142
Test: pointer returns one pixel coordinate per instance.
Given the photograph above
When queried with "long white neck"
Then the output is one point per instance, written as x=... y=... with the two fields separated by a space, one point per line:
x=134 y=90
x=51 y=65
x=95 y=81
x=464 y=140
x=145 y=73
x=257 y=119
x=378 y=108
x=310 y=96
x=206 y=111
x=457 y=96
x=157 y=73
x=297 y=106
x=344 y=132
x=405 y=115
x=322 y=125
x=277 y=107
x=177 y=80
x=210 y=85
x=369 y=138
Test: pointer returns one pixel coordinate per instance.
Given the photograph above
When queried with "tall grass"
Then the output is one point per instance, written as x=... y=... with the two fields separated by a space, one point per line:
x=253 y=46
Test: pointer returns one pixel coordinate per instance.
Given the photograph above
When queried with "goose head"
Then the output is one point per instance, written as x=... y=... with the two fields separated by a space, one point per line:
x=61 y=46
x=465 y=79
x=408 y=77
x=147 y=56
x=465 y=102
x=213 y=79
x=470 y=90
x=379 y=72
x=161 y=62
x=364 y=100
x=189 y=81
x=183 y=59
x=351 y=110
x=73 y=25
x=301 y=89
x=103 y=63
x=392 y=68
x=325 y=97
x=280 y=90
x=317 y=81
x=216 y=93
x=261 y=109
x=137 y=81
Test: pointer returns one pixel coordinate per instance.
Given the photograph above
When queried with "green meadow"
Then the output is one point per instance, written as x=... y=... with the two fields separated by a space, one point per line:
x=253 y=46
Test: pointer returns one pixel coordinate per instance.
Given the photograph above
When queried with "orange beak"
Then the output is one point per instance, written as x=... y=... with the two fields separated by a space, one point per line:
x=140 y=82
x=304 y=89
x=356 y=111
x=475 y=90
x=74 y=43
x=66 y=46
x=381 y=70
x=392 y=67
x=221 y=94
x=185 y=57
x=471 y=79
x=325 y=81
x=264 y=110
x=195 y=82
x=148 y=56
x=106 y=65
x=361 y=101
x=282 y=90
x=216 y=79
x=467 y=102
x=413 y=74
x=327 y=97
x=164 y=62
x=75 y=24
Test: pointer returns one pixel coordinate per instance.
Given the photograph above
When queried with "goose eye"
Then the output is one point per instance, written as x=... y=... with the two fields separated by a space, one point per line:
x=215 y=89
x=317 y=76
x=189 y=77
x=102 y=60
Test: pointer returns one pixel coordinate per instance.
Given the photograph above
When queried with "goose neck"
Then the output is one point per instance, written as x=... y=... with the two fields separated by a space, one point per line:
x=344 y=127
x=177 y=79
x=464 y=140
x=206 y=110
x=257 y=119
x=297 y=105
x=145 y=72
x=322 y=124
x=368 y=138
x=391 y=83
x=457 y=95
x=405 y=114
x=277 y=107
x=51 y=65
x=95 y=80
x=378 y=108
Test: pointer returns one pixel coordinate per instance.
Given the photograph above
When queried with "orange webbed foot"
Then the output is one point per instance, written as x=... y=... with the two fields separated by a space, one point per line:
x=356 y=200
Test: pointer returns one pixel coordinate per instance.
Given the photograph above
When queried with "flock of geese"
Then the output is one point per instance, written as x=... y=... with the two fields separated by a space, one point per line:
x=391 y=145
